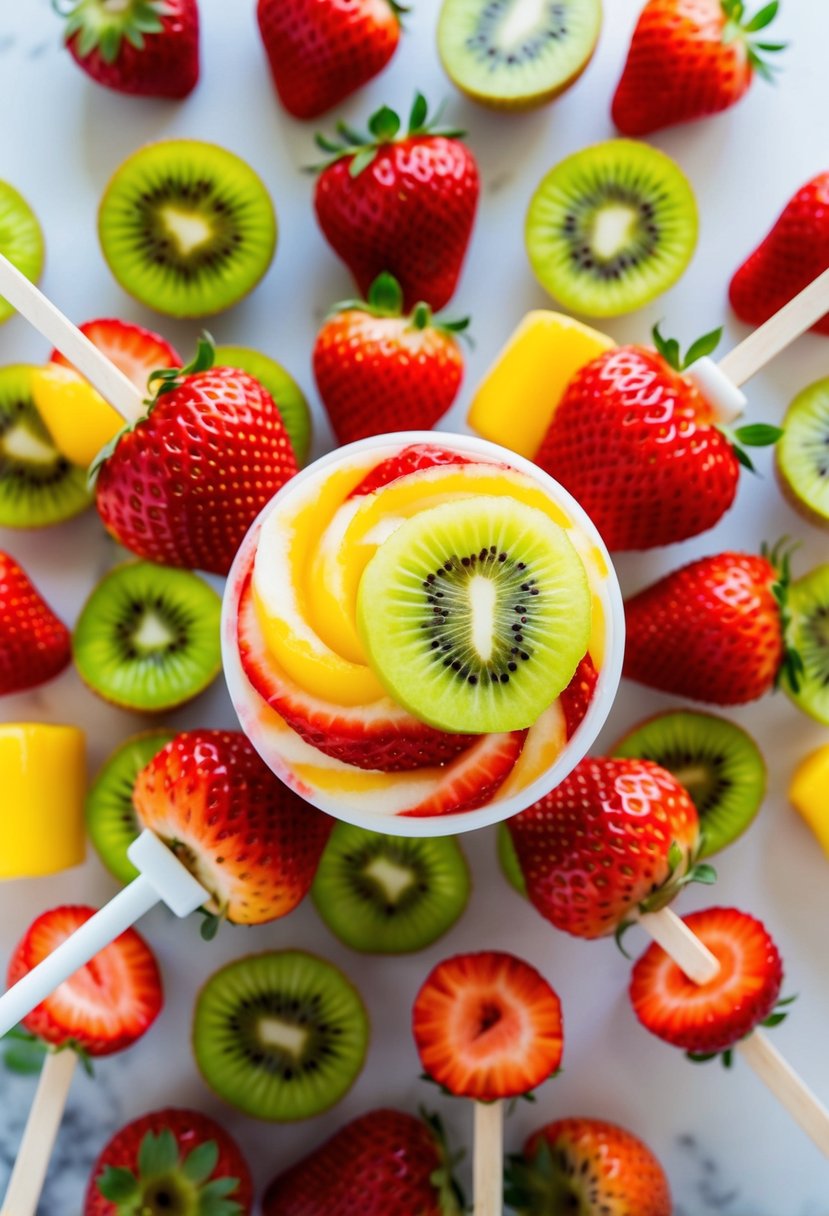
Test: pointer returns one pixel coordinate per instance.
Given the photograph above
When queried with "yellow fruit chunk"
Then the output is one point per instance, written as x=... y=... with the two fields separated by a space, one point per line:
x=43 y=778
x=76 y=416
x=519 y=394
x=809 y=793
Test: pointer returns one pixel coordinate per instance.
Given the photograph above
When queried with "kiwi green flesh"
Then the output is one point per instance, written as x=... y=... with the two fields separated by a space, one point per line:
x=514 y=53
x=611 y=227
x=38 y=486
x=21 y=239
x=111 y=819
x=187 y=228
x=508 y=861
x=389 y=894
x=280 y=1036
x=288 y=396
x=802 y=453
x=148 y=637
x=475 y=614
x=809 y=635
x=717 y=762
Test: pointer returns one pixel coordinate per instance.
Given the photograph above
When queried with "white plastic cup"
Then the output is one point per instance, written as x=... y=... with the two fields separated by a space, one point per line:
x=252 y=710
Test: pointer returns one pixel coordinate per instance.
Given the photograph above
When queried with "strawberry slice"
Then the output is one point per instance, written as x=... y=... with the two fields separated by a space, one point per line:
x=487 y=1026
x=379 y=736
x=410 y=460
x=107 y=1004
x=34 y=644
x=134 y=350
x=473 y=778
x=576 y=698
x=710 y=1018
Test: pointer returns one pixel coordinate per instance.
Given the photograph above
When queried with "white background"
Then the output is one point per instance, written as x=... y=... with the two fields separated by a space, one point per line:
x=725 y=1143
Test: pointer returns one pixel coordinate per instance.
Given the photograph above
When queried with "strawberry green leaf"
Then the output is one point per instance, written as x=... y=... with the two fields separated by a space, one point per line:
x=705 y=345
x=386 y=295
x=774 y=1019
x=418 y=113
x=743 y=458
x=118 y=1185
x=619 y=935
x=771 y=47
x=351 y=134
x=213 y=1199
x=384 y=124
x=763 y=18
x=758 y=435
x=158 y=1154
x=701 y=1057
x=668 y=348
x=25 y=1059
x=200 y=1164
x=786 y=1000
x=361 y=161
x=210 y=926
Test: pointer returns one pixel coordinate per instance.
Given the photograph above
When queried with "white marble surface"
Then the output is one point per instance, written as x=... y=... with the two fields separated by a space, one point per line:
x=727 y=1146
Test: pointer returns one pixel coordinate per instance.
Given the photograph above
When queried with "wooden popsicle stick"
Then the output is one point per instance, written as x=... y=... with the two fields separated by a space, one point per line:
x=769 y=339
x=49 y=321
x=34 y=1154
x=694 y=958
x=488 y=1168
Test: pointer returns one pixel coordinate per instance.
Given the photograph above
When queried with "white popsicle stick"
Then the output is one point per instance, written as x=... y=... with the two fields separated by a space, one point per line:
x=488 y=1166
x=162 y=879
x=49 y=321
x=695 y=959
x=29 y=1172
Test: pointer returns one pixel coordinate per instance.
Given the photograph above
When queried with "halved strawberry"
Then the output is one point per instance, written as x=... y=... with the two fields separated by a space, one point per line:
x=170 y=1161
x=107 y=1004
x=576 y=698
x=411 y=459
x=134 y=350
x=378 y=736
x=487 y=1026
x=710 y=1018
x=253 y=843
x=472 y=779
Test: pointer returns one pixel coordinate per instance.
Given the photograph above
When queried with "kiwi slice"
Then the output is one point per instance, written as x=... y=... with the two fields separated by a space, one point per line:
x=111 y=820
x=513 y=55
x=802 y=453
x=475 y=614
x=808 y=634
x=148 y=637
x=280 y=1036
x=289 y=398
x=719 y=764
x=389 y=894
x=508 y=861
x=38 y=486
x=21 y=239
x=187 y=227
x=611 y=227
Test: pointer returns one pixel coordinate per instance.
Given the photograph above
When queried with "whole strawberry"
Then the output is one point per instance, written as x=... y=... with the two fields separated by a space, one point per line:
x=377 y=370
x=587 y=1167
x=320 y=51
x=252 y=842
x=170 y=1161
x=639 y=446
x=183 y=485
x=400 y=203
x=386 y=1163
x=794 y=253
x=714 y=630
x=614 y=837
x=34 y=644
x=145 y=47
x=688 y=59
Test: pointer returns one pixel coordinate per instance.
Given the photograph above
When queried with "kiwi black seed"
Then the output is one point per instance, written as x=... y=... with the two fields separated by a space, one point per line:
x=288 y=396
x=808 y=604
x=717 y=762
x=802 y=453
x=611 y=227
x=280 y=1036
x=389 y=894
x=187 y=227
x=511 y=55
x=21 y=239
x=111 y=818
x=508 y=861
x=475 y=614
x=38 y=486
x=148 y=637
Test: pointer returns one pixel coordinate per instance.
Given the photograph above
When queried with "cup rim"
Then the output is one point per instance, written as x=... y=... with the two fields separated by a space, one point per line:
x=498 y=810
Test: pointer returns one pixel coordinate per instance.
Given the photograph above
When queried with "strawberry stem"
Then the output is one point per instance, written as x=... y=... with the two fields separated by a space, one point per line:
x=385 y=299
x=738 y=29
x=102 y=29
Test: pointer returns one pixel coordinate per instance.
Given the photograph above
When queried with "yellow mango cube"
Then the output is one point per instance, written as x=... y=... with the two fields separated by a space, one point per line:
x=43 y=778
